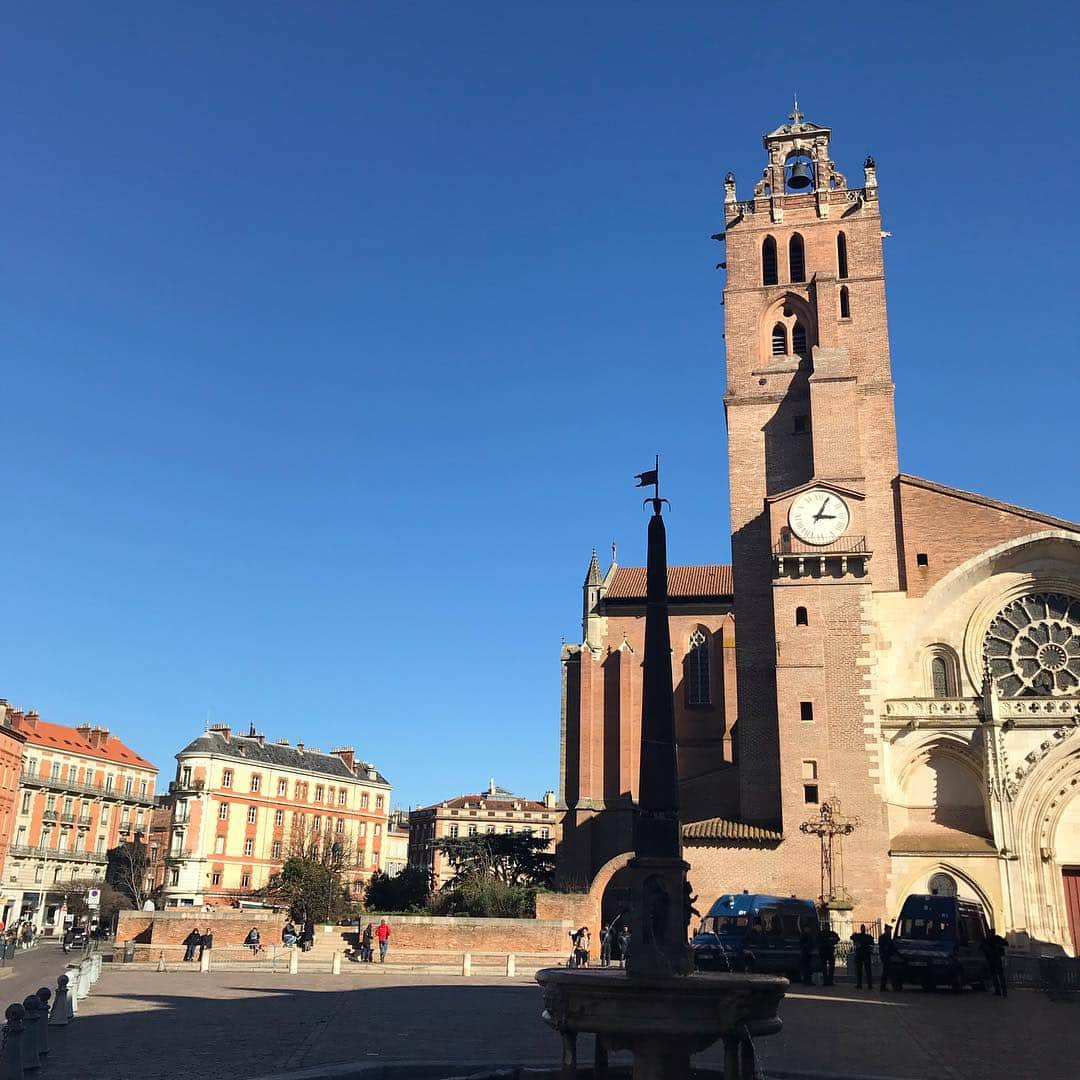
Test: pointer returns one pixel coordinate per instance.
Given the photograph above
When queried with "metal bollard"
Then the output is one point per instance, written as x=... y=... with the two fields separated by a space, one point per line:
x=61 y=1009
x=33 y=1006
x=466 y=964
x=44 y=994
x=11 y=1067
x=31 y=1019
x=511 y=965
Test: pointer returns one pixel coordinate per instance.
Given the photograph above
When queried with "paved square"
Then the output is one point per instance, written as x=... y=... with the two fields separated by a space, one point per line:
x=150 y=1026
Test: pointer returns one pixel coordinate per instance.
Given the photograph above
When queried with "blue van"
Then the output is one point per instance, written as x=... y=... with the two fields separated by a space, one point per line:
x=755 y=932
x=940 y=939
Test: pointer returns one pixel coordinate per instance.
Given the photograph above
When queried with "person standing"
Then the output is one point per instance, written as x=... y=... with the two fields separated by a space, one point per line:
x=585 y=941
x=191 y=943
x=864 y=951
x=624 y=944
x=307 y=939
x=605 y=945
x=884 y=949
x=994 y=950
x=366 y=953
x=383 y=934
x=827 y=942
x=206 y=943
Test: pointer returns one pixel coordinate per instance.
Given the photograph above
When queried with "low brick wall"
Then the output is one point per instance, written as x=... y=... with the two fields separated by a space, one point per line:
x=418 y=932
x=455 y=934
x=228 y=926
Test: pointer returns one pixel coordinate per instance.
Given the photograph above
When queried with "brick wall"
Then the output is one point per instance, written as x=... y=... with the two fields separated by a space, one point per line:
x=951 y=526
x=229 y=927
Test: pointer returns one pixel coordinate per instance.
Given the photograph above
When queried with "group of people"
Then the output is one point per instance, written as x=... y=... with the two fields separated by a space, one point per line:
x=614 y=936
x=198 y=941
x=23 y=934
x=365 y=935
x=993 y=948
x=305 y=937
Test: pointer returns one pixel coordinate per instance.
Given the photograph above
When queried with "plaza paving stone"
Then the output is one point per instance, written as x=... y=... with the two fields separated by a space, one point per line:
x=149 y=1026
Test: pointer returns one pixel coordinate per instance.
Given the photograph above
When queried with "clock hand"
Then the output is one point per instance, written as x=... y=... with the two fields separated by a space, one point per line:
x=817 y=516
x=825 y=517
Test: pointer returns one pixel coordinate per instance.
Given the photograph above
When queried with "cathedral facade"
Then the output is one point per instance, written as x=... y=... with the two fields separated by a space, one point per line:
x=901 y=650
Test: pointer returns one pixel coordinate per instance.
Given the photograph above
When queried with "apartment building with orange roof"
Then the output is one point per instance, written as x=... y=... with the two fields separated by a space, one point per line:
x=81 y=791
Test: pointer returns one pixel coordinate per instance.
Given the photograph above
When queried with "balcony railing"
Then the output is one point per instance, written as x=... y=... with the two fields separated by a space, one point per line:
x=843 y=545
x=25 y=851
x=54 y=783
x=179 y=787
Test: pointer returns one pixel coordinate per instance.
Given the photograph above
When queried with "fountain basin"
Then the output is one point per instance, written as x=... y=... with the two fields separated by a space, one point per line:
x=662 y=1020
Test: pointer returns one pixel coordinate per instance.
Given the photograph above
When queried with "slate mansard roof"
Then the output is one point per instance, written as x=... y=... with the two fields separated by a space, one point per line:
x=255 y=751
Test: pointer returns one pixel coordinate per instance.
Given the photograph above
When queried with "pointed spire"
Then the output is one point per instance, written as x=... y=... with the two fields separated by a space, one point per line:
x=796 y=117
x=594 y=577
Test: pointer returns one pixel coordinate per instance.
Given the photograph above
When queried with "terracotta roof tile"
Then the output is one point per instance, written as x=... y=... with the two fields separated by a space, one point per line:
x=684 y=582
x=726 y=829
x=67 y=739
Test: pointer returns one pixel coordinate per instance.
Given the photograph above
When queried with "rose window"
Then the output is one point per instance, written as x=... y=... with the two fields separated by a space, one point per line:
x=1033 y=646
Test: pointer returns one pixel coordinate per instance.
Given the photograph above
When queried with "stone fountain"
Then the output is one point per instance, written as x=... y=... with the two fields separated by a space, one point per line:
x=658 y=1007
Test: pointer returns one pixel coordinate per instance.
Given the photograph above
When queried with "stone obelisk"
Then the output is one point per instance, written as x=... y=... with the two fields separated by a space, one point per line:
x=660 y=906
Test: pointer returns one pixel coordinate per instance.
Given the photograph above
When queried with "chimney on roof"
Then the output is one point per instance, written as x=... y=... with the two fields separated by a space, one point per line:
x=14 y=718
x=347 y=754
x=98 y=737
x=491 y=786
x=222 y=729
x=549 y=798
x=84 y=731
x=282 y=742
x=31 y=719
x=300 y=745
x=256 y=736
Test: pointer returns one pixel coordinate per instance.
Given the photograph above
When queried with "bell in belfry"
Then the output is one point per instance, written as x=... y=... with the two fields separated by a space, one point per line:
x=801 y=176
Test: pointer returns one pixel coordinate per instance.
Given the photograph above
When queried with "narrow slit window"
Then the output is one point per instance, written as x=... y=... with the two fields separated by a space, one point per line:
x=779 y=340
x=810 y=794
x=797 y=258
x=769 y=274
x=939 y=675
x=845 y=303
x=841 y=255
x=806 y=712
x=801 y=618
x=798 y=340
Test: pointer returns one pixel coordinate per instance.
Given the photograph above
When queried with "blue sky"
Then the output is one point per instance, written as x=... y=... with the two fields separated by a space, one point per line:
x=334 y=333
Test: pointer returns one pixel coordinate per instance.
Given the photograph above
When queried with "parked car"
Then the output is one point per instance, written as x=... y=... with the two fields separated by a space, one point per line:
x=755 y=932
x=939 y=940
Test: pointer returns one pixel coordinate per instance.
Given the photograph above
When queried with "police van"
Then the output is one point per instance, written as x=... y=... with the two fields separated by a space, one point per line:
x=755 y=932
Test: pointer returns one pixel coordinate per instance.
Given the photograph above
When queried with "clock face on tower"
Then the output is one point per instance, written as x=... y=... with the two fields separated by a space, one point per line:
x=818 y=516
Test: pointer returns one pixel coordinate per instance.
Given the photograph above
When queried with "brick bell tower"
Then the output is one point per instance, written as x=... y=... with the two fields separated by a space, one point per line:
x=813 y=465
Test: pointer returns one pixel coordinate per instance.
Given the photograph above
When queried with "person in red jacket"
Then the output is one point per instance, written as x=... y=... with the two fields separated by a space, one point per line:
x=383 y=934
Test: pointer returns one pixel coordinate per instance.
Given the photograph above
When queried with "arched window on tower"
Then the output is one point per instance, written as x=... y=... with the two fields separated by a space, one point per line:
x=697 y=668
x=797 y=258
x=845 y=303
x=798 y=340
x=769 y=275
x=779 y=340
x=841 y=255
x=801 y=618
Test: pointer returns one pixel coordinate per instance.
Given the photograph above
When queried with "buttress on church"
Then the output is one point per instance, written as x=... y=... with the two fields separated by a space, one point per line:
x=903 y=647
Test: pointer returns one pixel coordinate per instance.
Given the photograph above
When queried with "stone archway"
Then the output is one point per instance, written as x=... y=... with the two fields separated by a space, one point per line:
x=1048 y=842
